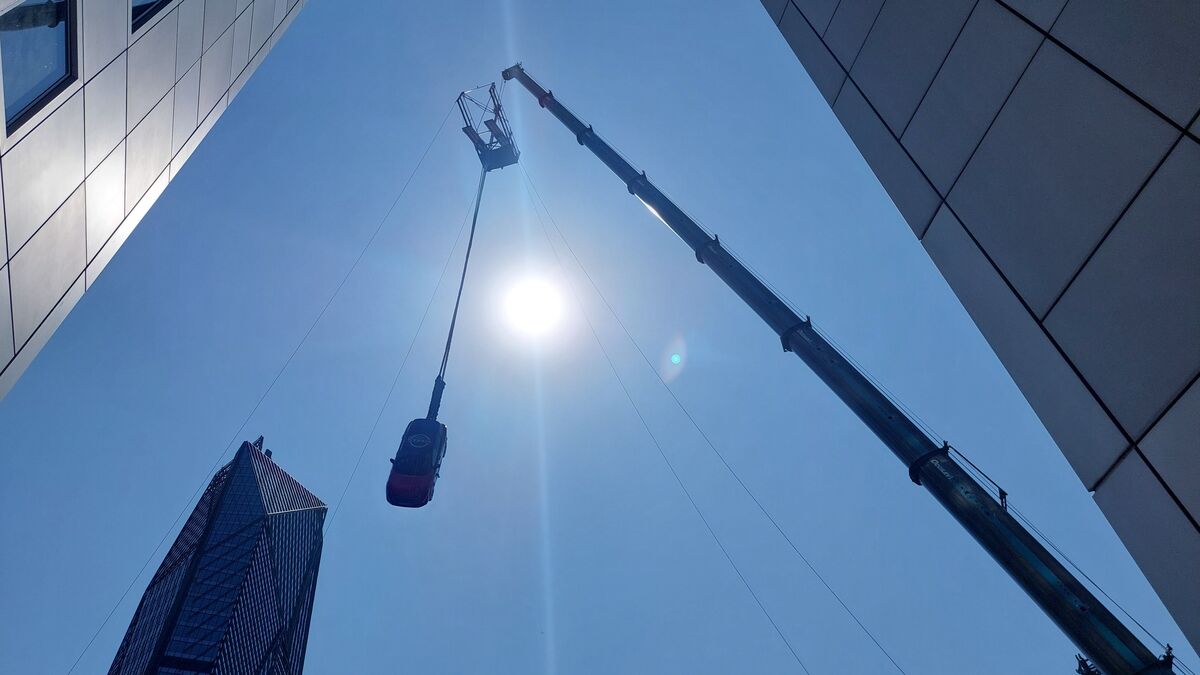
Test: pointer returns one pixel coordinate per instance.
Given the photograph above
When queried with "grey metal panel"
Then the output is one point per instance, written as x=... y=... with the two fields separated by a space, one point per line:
x=1173 y=448
x=981 y=70
x=105 y=28
x=23 y=358
x=46 y=159
x=104 y=113
x=6 y=333
x=105 y=200
x=1131 y=321
x=281 y=8
x=218 y=15
x=818 y=12
x=1062 y=159
x=191 y=35
x=295 y=7
x=42 y=170
x=246 y=72
x=126 y=228
x=286 y=23
x=214 y=72
x=1158 y=535
x=1154 y=52
x=149 y=151
x=241 y=42
x=848 y=29
x=1086 y=435
x=818 y=61
x=198 y=135
x=243 y=4
x=1041 y=12
x=151 y=68
x=3 y=234
x=264 y=22
x=912 y=194
x=187 y=104
x=45 y=268
x=902 y=54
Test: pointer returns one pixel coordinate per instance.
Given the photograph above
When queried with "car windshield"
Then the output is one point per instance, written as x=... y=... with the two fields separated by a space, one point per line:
x=414 y=462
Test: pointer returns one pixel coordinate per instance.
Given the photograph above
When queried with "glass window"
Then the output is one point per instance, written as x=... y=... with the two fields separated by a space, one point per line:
x=144 y=9
x=37 y=52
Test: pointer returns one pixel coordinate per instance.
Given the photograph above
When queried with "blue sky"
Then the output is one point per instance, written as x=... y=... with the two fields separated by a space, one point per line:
x=558 y=541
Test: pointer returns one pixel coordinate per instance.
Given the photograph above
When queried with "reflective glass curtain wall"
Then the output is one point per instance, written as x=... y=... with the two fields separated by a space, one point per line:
x=234 y=593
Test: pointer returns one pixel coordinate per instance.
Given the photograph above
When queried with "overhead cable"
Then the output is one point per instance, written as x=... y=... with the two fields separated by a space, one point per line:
x=670 y=466
x=395 y=379
x=708 y=441
x=216 y=464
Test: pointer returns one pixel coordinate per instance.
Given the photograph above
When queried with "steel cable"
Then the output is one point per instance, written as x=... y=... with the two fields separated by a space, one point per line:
x=266 y=392
x=670 y=466
x=984 y=479
x=403 y=362
x=708 y=441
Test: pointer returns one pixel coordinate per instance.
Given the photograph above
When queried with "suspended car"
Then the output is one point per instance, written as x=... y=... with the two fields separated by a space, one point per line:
x=417 y=463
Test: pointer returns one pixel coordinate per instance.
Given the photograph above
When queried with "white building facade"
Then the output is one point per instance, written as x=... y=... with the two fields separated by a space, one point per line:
x=104 y=101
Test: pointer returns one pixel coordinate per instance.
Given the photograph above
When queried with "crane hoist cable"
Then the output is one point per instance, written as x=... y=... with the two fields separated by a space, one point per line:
x=439 y=384
x=337 y=506
x=418 y=460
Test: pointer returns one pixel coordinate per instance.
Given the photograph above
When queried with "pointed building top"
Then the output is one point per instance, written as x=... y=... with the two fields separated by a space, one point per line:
x=278 y=490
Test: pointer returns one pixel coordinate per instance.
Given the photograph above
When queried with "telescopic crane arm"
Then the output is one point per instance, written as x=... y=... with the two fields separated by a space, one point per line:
x=1084 y=619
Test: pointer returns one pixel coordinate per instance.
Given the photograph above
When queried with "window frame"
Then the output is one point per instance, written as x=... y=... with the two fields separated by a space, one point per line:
x=150 y=12
x=38 y=104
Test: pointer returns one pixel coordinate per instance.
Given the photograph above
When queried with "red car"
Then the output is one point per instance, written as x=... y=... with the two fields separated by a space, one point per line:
x=417 y=463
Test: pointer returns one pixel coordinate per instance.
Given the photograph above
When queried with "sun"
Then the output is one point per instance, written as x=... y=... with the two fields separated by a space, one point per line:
x=533 y=307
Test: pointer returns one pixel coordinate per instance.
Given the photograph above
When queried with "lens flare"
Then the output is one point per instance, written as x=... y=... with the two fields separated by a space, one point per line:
x=673 y=358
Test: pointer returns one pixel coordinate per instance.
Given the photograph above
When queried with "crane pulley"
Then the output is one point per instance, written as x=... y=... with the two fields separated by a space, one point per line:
x=1109 y=645
x=418 y=460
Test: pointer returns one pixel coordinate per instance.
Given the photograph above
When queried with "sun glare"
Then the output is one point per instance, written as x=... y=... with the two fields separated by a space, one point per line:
x=533 y=307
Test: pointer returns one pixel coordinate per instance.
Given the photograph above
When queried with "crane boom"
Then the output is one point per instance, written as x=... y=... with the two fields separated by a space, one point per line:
x=1086 y=621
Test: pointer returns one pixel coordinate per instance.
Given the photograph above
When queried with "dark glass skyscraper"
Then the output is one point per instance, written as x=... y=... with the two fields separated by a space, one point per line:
x=235 y=592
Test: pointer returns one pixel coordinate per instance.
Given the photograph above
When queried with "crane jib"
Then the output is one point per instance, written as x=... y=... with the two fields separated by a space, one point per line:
x=1110 y=646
